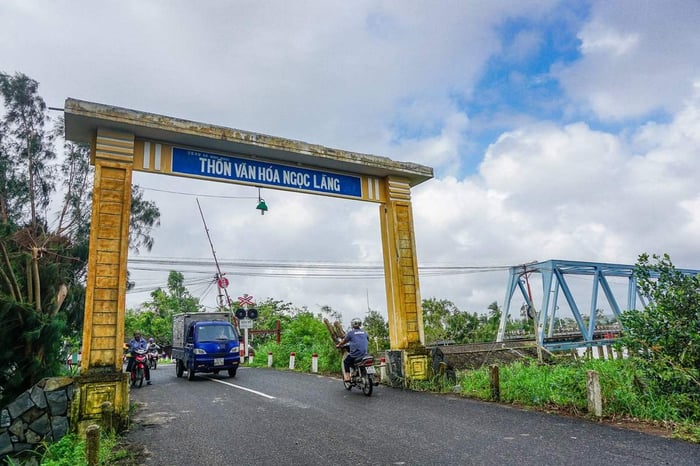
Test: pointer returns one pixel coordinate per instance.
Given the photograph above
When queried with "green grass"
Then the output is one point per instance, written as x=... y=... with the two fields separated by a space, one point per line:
x=562 y=387
x=329 y=358
x=70 y=451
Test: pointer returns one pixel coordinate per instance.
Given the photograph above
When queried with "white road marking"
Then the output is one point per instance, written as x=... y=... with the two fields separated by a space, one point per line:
x=264 y=395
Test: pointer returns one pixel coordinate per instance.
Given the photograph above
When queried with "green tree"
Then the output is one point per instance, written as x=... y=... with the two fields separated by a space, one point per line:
x=304 y=334
x=42 y=269
x=144 y=217
x=330 y=313
x=155 y=319
x=378 y=331
x=487 y=327
x=270 y=311
x=27 y=151
x=435 y=319
x=35 y=265
x=665 y=335
x=461 y=327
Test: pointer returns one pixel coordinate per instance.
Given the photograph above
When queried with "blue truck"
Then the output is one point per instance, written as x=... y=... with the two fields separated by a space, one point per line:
x=205 y=342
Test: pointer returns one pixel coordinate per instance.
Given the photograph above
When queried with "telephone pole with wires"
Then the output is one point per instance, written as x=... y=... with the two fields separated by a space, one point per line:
x=223 y=299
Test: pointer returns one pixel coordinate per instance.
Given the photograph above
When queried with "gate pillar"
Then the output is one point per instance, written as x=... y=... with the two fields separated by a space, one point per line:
x=405 y=314
x=101 y=377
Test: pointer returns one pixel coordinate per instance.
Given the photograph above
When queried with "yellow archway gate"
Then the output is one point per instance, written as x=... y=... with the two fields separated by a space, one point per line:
x=124 y=140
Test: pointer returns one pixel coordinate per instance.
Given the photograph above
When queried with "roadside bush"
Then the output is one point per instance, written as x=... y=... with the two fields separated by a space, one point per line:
x=31 y=348
x=664 y=337
x=305 y=335
x=563 y=386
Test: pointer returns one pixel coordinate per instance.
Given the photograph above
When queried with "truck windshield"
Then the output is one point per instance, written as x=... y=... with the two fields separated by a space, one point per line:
x=214 y=332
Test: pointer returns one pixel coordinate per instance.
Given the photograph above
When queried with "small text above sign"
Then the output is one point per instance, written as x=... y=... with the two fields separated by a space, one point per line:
x=204 y=164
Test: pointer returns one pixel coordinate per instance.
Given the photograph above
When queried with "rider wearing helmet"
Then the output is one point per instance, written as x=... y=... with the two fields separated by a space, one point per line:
x=152 y=346
x=138 y=343
x=358 y=341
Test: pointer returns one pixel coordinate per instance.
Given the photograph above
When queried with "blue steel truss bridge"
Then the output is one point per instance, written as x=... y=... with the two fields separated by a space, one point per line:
x=581 y=285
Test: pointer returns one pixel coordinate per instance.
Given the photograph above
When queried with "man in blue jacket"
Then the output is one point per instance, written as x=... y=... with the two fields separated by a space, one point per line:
x=137 y=343
x=358 y=341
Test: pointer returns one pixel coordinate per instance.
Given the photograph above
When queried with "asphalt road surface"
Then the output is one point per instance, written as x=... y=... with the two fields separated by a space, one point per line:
x=268 y=417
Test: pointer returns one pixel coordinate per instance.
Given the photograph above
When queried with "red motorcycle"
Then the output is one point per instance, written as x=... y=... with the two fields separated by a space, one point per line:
x=153 y=359
x=138 y=368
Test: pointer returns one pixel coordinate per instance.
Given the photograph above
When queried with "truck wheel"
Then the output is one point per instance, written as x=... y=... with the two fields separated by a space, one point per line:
x=178 y=368
x=232 y=372
x=190 y=373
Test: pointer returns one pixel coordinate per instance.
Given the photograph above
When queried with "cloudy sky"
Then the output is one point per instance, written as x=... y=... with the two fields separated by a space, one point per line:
x=556 y=130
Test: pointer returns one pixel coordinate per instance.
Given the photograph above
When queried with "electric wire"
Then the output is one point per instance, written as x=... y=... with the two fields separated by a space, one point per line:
x=281 y=269
x=291 y=269
x=196 y=195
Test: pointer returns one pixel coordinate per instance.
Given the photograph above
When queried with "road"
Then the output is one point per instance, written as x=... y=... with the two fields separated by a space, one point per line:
x=268 y=417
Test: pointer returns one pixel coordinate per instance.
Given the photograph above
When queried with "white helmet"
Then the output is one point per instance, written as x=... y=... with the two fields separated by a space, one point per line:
x=356 y=323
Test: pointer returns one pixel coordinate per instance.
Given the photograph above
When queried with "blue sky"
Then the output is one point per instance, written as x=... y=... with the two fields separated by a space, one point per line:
x=556 y=129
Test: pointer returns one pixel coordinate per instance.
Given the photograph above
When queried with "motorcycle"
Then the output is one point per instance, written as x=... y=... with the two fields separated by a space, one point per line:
x=153 y=359
x=138 y=368
x=362 y=375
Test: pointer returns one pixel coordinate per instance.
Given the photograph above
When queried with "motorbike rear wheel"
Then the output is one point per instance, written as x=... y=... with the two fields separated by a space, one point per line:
x=179 y=368
x=347 y=385
x=137 y=380
x=190 y=373
x=367 y=382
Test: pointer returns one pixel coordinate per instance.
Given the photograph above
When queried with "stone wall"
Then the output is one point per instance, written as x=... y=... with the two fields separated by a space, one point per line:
x=39 y=414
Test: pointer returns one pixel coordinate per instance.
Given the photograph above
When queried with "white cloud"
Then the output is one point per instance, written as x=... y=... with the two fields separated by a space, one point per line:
x=552 y=192
x=383 y=78
x=596 y=39
x=637 y=58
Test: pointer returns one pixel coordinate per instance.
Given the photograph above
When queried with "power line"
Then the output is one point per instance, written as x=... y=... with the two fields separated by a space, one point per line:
x=195 y=194
x=298 y=264
x=291 y=269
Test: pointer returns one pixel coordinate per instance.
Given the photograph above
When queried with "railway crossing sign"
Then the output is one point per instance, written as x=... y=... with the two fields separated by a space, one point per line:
x=245 y=300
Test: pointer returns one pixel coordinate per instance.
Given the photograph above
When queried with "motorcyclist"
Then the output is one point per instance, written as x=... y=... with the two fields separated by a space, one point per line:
x=153 y=350
x=138 y=343
x=152 y=346
x=358 y=341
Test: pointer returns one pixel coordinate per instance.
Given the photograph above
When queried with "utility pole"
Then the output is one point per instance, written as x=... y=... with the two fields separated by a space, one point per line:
x=223 y=299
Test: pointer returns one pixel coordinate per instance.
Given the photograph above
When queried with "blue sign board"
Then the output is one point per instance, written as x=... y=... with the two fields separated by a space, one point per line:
x=198 y=163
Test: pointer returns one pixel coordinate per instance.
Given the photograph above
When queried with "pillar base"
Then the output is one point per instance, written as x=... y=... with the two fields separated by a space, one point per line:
x=95 y=388
x=405 y=366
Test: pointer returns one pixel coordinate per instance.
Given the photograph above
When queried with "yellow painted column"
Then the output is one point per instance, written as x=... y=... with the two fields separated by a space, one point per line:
x=405 y=314
x=105 y=300
x=101 y=378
